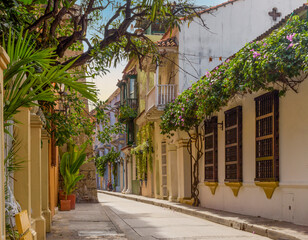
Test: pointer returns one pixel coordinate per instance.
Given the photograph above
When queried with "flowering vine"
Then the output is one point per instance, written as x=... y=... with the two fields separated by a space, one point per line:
x=277 y=61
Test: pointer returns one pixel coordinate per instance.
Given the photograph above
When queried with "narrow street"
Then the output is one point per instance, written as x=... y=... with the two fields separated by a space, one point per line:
x=118 y=218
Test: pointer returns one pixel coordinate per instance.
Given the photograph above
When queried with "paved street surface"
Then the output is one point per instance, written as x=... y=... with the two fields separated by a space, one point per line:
x=144 y=221
x=118 y=219
x=87 y=221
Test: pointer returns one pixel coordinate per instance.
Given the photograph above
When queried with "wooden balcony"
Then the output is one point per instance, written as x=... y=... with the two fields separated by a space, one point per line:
x=158 y=97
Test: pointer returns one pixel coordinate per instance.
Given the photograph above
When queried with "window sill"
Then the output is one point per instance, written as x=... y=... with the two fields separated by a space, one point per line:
x=268 y=187
x=235 y=187
x=212 y=186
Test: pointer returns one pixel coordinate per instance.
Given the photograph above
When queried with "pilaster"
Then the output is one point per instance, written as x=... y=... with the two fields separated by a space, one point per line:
x=121 y=175
x=172 y=170
x=184 y=170
x=129 y=173
x=39 y=223
x=45 y=180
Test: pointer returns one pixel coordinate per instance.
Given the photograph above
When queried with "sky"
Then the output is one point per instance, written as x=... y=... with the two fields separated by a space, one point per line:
x=107 y=84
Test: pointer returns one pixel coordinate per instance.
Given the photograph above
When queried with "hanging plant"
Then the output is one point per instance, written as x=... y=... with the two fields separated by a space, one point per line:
x=126 y=113
x=101 y=163
x=144 y=150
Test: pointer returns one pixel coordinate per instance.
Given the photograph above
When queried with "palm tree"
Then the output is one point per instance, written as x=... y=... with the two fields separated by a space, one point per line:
x=32 y=75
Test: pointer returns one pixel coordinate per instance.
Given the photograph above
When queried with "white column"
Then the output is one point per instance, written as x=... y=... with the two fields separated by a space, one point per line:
x=129 y=175
x=184 y=171
x=172 y=172
x=121 y=175
x=124 y=175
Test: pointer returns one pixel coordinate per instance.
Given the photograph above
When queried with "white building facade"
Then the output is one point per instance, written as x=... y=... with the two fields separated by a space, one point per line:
x=230 y=26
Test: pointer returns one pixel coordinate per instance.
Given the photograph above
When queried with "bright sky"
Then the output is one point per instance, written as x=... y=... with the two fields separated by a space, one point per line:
x=107 y=83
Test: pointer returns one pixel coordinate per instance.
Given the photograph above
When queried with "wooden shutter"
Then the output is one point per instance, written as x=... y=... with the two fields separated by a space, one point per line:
x=211 y=151
x=267 y=137
x=233 y=145
x=164 y=168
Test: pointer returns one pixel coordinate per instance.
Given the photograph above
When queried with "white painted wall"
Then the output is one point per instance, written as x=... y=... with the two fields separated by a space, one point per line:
x=293 y=151
x=230 y=28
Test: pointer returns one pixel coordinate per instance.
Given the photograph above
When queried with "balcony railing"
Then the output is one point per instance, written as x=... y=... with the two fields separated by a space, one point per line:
x=131 y=102
x=160 y=95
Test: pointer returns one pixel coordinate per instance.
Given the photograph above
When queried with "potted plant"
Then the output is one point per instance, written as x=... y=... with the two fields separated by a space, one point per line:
x=71 y=161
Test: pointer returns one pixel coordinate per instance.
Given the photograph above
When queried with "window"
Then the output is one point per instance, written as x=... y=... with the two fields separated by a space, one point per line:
x=130 y=132
x=267 y=137
x=233 y=145
x=132 y=88
x=210 y=151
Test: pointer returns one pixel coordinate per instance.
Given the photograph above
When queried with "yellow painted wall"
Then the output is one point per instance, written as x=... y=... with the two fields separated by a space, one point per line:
x=53 y=183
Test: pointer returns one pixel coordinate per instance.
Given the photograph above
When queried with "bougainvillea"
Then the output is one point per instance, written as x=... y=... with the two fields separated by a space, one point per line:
x=278 y=61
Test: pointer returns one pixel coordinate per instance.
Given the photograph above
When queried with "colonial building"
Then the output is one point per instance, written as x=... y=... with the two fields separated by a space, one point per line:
x=249 y=164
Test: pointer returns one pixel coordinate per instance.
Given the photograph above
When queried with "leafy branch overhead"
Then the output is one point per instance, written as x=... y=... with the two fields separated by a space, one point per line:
x=105 y=26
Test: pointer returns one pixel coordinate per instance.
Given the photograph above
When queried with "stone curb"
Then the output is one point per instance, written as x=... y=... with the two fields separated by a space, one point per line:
x=197 y=212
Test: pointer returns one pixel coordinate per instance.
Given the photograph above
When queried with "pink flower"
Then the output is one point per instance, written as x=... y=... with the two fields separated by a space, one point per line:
x=208 y=74
x=180 y=117
x=228 y=60
x=264 y=44
x=183 y=109
x=216 y=68
x=290 y=45
x=256 y=54
x=265 y=56
x=291 y=36
x=182 y=120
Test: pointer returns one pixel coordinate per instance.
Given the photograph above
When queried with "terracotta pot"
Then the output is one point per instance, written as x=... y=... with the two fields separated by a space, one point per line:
x=72 y=197
x=61 y=195
x=65 y=205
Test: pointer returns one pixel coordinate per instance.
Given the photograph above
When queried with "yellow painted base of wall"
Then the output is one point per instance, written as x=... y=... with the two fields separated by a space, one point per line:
x=187 y=201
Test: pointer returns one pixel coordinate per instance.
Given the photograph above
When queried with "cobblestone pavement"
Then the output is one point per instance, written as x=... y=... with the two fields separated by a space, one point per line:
x=144 y=221
x=87 y=221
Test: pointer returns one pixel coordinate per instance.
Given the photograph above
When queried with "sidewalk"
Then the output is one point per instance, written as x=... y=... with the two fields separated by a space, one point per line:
x=264 y=227
x=87 y=221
